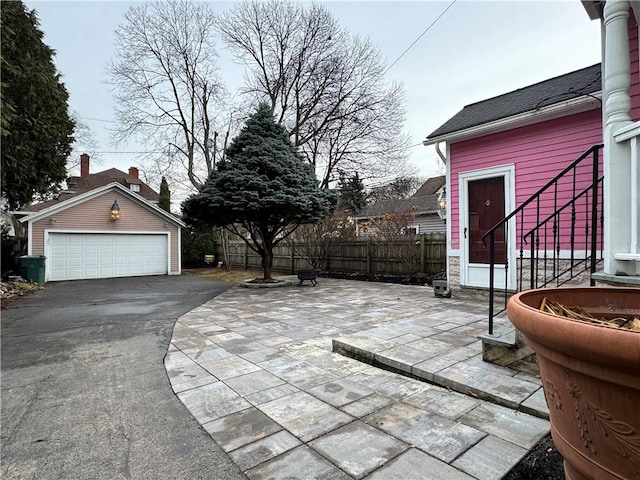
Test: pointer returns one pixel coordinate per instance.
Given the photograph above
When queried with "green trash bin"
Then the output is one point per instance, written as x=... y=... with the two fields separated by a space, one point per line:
x=32 y=268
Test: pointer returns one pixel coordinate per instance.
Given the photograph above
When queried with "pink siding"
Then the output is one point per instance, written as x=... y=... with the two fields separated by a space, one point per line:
x=634 y=90
x=93 y=215
x=538 y=151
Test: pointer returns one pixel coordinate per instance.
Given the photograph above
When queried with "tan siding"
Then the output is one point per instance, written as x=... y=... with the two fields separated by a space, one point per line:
x=94 y=214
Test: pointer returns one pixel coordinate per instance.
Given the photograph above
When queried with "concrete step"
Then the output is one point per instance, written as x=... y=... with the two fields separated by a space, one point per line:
x=471 y=375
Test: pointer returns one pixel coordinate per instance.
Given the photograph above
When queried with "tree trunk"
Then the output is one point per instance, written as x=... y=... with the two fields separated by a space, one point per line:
x=267 y=262
x=224 y=240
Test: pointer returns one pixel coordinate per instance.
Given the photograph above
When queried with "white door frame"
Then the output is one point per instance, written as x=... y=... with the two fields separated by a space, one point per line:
x=477 y=275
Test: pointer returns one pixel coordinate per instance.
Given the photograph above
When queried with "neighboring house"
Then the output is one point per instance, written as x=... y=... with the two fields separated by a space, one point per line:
x=104 y=225
x=415 y=215
x=502 y=150
x=433 y=186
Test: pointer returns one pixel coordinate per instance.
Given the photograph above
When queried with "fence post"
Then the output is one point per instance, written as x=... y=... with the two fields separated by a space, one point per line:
x=292 y=245
x=423 y=253
x=246 y=255
x=368 y=256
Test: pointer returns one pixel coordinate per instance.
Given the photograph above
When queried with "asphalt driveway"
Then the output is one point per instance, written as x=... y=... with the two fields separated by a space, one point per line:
x=84 y=391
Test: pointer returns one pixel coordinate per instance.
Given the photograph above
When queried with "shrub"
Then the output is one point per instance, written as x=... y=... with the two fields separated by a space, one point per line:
x=197 y=244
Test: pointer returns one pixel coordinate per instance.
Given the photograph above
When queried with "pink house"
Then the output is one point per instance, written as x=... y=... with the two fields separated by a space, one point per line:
x=501 y=151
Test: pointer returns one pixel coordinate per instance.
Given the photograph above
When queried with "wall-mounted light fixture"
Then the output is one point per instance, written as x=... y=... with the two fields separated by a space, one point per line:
x=442 y=204
x=52 y=220
x=115 y=211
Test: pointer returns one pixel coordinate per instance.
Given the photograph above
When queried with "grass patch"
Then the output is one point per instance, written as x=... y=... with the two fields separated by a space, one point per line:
x=222 y=275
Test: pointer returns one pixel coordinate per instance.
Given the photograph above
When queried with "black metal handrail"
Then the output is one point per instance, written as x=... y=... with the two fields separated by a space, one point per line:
x=551 y=228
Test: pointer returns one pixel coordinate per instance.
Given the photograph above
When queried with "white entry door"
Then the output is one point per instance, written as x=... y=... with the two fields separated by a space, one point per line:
x=487 y=196
x=74 y=256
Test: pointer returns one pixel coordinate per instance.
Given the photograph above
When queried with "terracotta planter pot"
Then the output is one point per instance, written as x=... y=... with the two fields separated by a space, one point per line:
x=591 y=378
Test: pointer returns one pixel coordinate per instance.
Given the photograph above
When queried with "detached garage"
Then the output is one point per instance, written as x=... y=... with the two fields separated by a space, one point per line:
x=109 y=231
x=72 y=256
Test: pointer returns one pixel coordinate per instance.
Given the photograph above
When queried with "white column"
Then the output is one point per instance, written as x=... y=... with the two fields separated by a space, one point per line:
x=617 y=156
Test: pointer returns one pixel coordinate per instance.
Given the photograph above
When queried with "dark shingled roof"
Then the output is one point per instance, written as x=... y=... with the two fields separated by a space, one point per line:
x=427 y=203
x=431 y=186
x=79 y=185
x=549 y=92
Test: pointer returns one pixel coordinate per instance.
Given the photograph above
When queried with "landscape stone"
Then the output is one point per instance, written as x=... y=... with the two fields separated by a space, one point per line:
x=518 y=428
x=434 y=434
x=372 y=449
x=241 y=428
x=265 y=449
x=416 y=465
x=491 y=459
x=305 y=416
x=299 y=463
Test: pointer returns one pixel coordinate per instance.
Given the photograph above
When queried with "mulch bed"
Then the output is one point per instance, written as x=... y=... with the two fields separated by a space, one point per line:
x=544 y=462
x=417 y=279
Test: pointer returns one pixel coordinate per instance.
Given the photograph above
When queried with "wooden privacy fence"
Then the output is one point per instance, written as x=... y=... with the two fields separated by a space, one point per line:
x=424 y=253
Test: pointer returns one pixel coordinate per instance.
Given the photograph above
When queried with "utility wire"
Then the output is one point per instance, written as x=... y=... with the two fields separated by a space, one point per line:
x=148 y=151
x=421 y=35
x=98 y=120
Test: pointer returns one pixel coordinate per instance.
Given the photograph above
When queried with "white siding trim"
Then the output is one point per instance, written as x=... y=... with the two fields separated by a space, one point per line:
x=450 y=250
x=30 y=238
x=168 y=253
x=179 y=271
x=114 y=232
x=559 y=110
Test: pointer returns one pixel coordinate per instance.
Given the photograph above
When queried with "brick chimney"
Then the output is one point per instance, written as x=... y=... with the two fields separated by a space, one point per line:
x=84 y=165
x=133 y=171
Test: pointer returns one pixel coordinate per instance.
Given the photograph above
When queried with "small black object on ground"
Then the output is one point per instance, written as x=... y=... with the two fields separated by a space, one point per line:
x=310 y=274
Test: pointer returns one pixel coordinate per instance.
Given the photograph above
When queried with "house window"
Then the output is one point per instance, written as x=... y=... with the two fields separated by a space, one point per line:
x=134 y=187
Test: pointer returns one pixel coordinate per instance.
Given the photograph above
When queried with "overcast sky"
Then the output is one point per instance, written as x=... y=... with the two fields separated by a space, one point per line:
x=477 y=50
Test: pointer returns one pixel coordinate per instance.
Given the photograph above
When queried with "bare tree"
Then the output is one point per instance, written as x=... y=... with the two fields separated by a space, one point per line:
x=84 y=142
x=326 y=86
x=395 y=237
x=166 y=86
x=401 y=187
x=318 y=242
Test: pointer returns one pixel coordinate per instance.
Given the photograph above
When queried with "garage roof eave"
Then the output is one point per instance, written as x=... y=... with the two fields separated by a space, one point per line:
x=35 y=216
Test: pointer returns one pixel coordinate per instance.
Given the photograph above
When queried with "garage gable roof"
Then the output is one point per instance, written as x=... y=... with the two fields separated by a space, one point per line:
x=95 y=193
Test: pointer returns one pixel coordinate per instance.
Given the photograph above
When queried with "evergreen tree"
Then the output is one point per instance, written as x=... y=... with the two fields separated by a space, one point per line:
x=164 y=202
x=353 y=197
x=263 y=191
x=36 y=127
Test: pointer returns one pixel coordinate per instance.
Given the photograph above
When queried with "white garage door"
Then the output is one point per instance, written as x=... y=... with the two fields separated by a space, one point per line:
x=73 y=256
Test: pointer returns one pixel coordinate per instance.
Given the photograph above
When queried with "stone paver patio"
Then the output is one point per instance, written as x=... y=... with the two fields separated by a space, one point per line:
x=259 y=371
